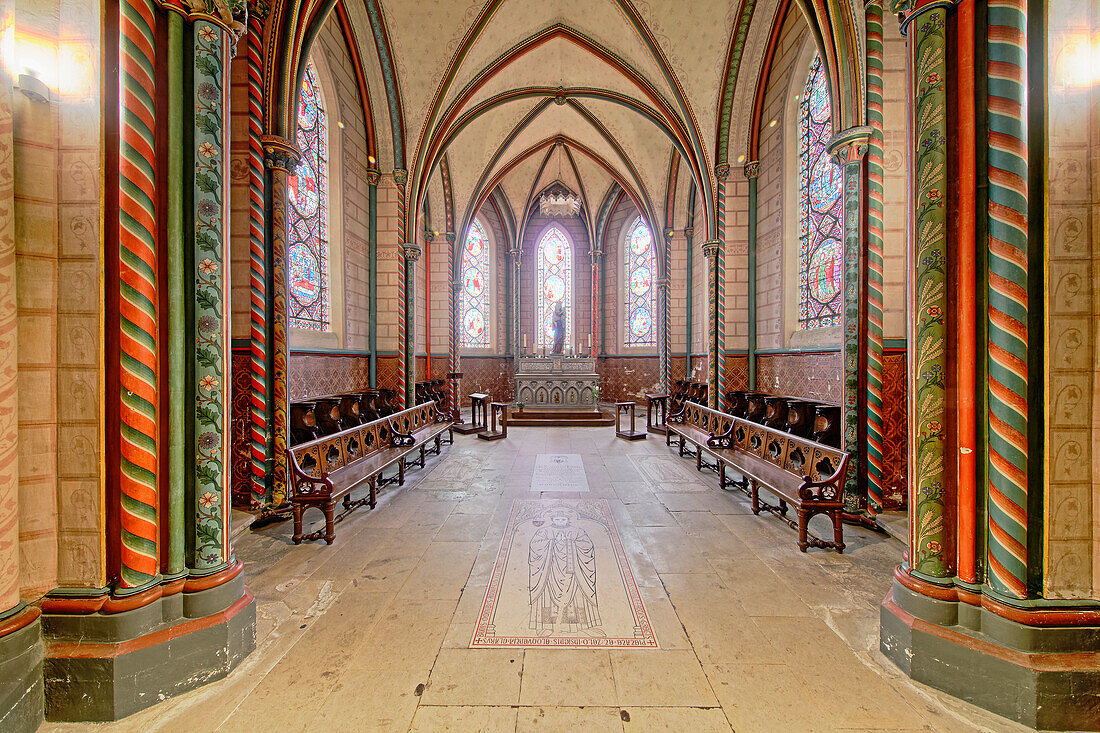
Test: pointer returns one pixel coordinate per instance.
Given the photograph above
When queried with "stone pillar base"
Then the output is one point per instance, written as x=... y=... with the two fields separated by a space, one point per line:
x=21 y=671
x=105 y=666
x=1046 y=677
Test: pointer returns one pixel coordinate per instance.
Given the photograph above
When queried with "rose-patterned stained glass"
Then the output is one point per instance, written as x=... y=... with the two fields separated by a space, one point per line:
x=641 y=292
x=307 y=248
x=820 y=208
x=473 y=301
x=555 y=285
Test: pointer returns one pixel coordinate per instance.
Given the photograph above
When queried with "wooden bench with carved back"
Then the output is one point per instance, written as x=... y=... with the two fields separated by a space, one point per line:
x=695 y=425
x=328 y=469
x=805 y=474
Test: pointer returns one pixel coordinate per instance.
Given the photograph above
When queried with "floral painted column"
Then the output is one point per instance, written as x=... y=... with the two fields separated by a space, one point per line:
x=210 y=363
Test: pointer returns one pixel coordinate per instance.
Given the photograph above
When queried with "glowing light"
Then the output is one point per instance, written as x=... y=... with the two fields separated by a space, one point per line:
x=69 y=69
x=773 y=123
x=740 y=158
x=340 y=125
x=1077 y=63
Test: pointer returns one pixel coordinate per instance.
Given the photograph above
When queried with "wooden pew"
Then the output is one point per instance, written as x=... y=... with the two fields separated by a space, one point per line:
x=330 y=468
x=805 y=474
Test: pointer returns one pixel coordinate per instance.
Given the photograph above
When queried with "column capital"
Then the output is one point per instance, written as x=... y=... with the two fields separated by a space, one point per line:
x=664 y=283
x=400 y=176
x=752 y=169
x=231 y=16
x=689 y=232
x=722 y=171
x=429 y=236
x=410 y=251
x=849 y=146
x=908 y=10
x=451 y=237
x=711 y=247
x=373 y=176
x=280 y=153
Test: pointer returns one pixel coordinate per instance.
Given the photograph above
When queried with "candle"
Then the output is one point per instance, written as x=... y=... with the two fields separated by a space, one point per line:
x=525 y=342
x=590 y=341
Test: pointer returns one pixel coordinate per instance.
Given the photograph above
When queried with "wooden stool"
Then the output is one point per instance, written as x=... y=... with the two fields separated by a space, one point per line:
x=656 y=410
x=620 y=409
x=479 y=415
x=498 y=422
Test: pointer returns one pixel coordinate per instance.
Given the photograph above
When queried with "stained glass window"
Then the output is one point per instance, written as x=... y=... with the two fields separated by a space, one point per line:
x=555 y=285
x=474 y=296
x=307 y=248
x=820 y=208
x=641 y=294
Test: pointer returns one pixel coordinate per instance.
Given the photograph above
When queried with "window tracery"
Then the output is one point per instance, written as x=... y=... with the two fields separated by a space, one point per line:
x=307 y=249
x=641 y=294
x=554 y=285
x=474 y=296
x=820 y=208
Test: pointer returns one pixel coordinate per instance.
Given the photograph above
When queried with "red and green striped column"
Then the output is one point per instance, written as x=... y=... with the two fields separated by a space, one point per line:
x=258 y=275
x=138 y=297
x=875 y=212
x=1007 y=296
x=405 y=362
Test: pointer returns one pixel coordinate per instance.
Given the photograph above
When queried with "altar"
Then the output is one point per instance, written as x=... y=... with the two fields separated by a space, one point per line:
x=556 y=381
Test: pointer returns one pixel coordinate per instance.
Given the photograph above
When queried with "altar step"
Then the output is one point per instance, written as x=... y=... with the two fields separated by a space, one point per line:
x=553 y=418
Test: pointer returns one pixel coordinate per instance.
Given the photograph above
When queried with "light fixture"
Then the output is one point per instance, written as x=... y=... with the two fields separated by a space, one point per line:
x=557 y=201
x=35 y=89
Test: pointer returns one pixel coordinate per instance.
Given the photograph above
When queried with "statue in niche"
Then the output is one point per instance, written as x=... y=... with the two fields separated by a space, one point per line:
x=557 y=328
x=562 y=560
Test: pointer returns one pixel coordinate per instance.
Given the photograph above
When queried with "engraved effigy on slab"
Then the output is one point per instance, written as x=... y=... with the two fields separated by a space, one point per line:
x=562 y=580
x=559 y=472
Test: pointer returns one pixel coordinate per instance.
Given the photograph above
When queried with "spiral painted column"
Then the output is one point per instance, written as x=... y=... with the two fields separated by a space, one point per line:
x=281 y=158
x=718 y=378
x=373 y=176
x=404 y=362
x=1007 y=293
x=210 y=361
x=597 y=295
x=712 y=250
x=517 y=323
x=928 y=530
x=452 y=322
x=752 y=172
x=138 y=324
x=664 y=288
x=875 y=209
x=258 y=447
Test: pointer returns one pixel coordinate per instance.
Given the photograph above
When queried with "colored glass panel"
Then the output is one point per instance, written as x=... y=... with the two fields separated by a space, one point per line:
x=641 y=293
x=820 y=208
x=474 y=296
x=307 y=247
x=555 y=279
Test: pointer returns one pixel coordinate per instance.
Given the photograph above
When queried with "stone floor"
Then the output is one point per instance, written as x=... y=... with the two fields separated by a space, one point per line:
x=373 y=633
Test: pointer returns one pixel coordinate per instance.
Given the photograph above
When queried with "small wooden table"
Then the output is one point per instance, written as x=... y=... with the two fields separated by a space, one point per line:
x=479 y=415
x=498 y=422
x=622 y=408
x=656 y=410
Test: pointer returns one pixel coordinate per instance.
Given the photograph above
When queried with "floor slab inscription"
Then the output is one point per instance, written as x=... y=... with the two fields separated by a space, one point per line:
x=559 y=472
x=562 y=580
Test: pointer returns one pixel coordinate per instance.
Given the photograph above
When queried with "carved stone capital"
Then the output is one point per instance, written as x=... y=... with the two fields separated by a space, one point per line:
x=232 y=15
x=689 y=232
x=909 y=10
x=752 y=169
x=663 y=283
x=451 y=237
x=711 y=247
x=373 y=176
x=411 y=251
x=429 y=236
x=400 y=176
x=280 y=153
x=849 y=146
x=722 y=171
x=560 y=97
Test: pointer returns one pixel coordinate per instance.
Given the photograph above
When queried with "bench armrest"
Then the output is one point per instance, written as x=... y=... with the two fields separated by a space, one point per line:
x=678 y=416
x=725 y=440
x=399 y=439
x=305 y=485
x=440 y=415
x=829 y=489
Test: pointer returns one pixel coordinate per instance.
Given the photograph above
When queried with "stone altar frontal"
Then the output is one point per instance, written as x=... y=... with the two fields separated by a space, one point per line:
x=556 y=381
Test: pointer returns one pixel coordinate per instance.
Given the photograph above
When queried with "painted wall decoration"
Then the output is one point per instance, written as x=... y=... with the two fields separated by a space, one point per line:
x=211 y=233
x=474 y=295
x=639 y=328
x=820 y=208
x=307 y=254
x=555 y=285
